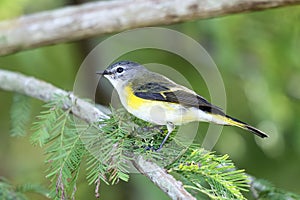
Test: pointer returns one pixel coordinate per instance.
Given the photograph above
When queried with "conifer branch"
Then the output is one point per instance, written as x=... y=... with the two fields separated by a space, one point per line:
x=98 y=18
x=16 y=82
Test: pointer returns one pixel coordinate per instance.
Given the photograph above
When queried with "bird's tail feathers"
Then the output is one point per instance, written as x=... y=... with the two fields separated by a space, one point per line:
x=235 y=122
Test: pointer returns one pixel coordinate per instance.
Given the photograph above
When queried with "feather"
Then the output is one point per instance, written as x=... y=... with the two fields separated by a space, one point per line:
x=183 y=96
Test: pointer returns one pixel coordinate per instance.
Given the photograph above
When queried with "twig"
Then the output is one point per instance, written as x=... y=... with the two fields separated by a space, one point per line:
x=167 y=182
x=11 y=81
x=97 y=18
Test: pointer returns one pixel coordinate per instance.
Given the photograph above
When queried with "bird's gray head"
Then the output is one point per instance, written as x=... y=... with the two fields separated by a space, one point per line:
x=122 y=71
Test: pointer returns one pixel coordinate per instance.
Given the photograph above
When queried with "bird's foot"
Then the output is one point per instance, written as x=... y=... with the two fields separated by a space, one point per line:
x=151 y=148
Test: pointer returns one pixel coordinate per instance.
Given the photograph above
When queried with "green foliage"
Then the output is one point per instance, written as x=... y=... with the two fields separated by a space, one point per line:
x=106 y=153
x=64 y=148
x=212 y=175
x=69 y=140
x=10 y=192
x=109 y=146
x=264 y=190
x=20 y=114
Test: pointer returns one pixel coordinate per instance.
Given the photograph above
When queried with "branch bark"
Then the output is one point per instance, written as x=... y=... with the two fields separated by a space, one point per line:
x=166 y=182
x=16 y=82
x=97 y=18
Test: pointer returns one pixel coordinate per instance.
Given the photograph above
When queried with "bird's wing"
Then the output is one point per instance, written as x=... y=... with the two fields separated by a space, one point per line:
x=174 y=94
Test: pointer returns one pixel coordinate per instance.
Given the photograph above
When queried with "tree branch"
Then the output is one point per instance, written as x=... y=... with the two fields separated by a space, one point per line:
x=97 y=18
x=167 y=182
x=16 y=82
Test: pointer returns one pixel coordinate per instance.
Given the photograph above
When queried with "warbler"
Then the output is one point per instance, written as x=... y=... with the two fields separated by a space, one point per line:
x=155 y=98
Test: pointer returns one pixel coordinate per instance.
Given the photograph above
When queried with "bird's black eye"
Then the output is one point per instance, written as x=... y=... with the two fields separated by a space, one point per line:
x=120 y=69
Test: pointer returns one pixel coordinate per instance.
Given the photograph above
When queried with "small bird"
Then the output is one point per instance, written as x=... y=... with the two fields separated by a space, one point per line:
x=154 y=98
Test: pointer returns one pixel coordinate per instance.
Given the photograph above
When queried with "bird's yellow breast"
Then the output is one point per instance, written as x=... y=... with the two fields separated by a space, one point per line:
x=132 y=101
x=137 y=103
x=158 y=112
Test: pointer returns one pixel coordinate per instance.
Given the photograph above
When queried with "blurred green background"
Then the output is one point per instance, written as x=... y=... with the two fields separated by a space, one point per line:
x=258 y=55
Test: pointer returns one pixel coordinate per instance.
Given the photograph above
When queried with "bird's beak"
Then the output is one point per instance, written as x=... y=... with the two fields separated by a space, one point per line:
x=105 y=72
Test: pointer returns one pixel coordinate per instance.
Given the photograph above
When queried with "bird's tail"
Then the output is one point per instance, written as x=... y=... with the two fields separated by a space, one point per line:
x=235 y=122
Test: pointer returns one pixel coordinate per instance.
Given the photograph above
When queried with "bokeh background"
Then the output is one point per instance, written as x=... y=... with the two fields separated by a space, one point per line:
x=258 y=55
